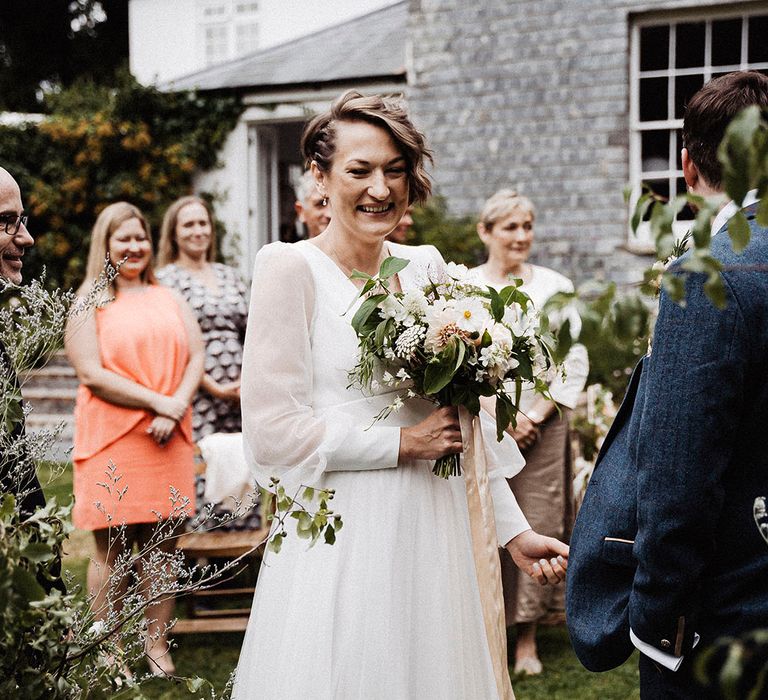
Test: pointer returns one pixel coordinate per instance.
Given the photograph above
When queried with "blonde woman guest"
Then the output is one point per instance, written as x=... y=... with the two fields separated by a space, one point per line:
x=218 y=298
x=393 y=608
x=543 y=487
x=139 y=358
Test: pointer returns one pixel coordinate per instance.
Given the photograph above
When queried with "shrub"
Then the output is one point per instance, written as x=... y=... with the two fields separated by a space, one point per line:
x=100 y=145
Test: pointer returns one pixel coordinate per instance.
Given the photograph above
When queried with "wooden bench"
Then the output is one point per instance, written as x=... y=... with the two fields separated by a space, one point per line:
x=220 y=545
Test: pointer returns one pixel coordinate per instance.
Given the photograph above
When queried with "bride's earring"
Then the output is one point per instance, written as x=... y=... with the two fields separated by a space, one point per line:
x=325 y=200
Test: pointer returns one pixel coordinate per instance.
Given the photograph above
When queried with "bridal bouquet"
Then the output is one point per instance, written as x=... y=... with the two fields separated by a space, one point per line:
x=451 y=342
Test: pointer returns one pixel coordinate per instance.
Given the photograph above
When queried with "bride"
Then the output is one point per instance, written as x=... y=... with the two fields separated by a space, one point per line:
x=393 y=609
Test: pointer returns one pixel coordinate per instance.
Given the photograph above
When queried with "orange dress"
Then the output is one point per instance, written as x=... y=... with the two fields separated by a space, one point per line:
x=141 y=337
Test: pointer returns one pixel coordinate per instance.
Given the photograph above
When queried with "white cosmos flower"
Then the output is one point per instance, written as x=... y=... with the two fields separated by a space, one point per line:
x=471 y=314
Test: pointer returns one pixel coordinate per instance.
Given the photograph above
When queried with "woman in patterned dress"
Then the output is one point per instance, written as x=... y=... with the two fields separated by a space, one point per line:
x=218 y=298
x=217 y=295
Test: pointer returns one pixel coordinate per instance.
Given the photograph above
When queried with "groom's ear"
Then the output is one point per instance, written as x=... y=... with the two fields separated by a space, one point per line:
x=690 y=171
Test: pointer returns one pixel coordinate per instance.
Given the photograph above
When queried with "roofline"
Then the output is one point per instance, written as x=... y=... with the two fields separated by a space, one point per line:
x=168 y=84
x=316 y=85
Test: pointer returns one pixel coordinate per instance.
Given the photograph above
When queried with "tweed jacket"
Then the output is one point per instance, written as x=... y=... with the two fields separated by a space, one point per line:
x=665 y=541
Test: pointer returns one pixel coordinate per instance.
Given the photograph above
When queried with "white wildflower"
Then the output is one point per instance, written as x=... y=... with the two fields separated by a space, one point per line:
x=388 y=379
x=402 y=375
x=97 y=628
x=410 y=340
x=397 y=404
x=457 y=271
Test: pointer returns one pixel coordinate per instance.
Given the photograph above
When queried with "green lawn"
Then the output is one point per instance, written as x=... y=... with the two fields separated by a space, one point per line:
x=214 y=656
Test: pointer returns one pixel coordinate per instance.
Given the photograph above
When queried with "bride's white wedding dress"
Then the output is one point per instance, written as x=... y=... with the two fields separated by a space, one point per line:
x=392 y=610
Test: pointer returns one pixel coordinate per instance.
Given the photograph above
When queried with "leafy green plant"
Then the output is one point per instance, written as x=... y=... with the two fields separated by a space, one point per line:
x=455 y=237
x=52 y=643
x=615 y=329
x=744 y=156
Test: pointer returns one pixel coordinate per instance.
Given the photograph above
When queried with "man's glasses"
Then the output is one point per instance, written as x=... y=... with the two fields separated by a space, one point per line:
x=11 y=223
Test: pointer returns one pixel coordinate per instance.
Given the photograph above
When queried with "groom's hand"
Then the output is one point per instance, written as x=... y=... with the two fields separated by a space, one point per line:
x=542 y=558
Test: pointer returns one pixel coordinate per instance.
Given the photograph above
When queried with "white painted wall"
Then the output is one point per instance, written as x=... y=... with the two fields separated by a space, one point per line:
x=166 y=41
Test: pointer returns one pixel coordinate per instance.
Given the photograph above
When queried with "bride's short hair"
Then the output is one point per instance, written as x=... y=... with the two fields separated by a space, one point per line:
x=318 y=143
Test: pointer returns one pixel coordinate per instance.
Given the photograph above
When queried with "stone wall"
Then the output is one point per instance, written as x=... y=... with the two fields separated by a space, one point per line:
x=534 y=94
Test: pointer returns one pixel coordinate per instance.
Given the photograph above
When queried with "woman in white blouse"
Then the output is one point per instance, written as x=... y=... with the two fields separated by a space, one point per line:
x=393 y=608
x=543 y=488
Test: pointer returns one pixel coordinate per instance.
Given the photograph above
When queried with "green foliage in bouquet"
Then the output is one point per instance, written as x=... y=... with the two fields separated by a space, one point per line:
x=100 y=145
x=451 y=342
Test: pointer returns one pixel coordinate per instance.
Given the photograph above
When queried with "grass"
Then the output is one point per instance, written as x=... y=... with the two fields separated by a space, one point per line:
x=214 y=656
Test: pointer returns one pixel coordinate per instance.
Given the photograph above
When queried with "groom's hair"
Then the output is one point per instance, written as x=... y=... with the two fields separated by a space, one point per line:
x=709 y=112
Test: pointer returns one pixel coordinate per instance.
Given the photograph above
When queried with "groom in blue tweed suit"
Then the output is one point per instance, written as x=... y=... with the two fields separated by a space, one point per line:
x=665 y=554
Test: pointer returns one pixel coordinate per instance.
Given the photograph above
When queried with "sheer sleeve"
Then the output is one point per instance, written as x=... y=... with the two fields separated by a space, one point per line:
x=283 y=436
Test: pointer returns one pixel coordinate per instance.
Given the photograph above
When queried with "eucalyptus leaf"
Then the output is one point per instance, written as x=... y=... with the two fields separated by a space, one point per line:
x=714 y=288
x=391 y=266
x=437 y=375
x=330 y=535
x=674 y=285
x=37 y=552
x=738 y=230
x=641 y=210
x=366 y=309
x=503 y=417
x=497 y=305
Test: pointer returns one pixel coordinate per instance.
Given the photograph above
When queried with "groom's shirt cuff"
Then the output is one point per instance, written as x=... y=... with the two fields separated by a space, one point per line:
x=669 y=661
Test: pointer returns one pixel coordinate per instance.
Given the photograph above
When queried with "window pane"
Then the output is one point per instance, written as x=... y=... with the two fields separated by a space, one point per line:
x=757 y=48
x=654 y=48
x=655 y=150
x=689 y=45
x=726 y=42
x=653 y=99
x=686 y=87
x=686 y=213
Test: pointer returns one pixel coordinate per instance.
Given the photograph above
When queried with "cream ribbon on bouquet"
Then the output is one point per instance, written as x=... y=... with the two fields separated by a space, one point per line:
x=482 y=525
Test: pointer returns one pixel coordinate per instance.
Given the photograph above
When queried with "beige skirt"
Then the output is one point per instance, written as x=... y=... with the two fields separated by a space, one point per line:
x=543 y=491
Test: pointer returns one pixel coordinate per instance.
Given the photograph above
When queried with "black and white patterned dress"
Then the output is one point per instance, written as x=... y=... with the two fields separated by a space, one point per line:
x=222 y=316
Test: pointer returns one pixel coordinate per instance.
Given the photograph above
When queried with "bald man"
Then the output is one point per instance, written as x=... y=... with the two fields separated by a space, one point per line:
x=17 y=473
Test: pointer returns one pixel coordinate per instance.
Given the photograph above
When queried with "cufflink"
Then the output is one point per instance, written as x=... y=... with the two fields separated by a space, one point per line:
x=665 y=644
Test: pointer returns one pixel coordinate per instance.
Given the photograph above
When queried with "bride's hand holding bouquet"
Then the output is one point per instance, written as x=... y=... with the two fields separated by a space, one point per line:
x=451 y=342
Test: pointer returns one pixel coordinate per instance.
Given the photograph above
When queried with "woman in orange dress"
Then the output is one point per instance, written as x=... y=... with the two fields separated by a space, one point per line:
x=139 y=358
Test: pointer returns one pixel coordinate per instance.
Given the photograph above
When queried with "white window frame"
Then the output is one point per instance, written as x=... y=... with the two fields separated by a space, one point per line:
x=642 y=240
x=253 y=28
